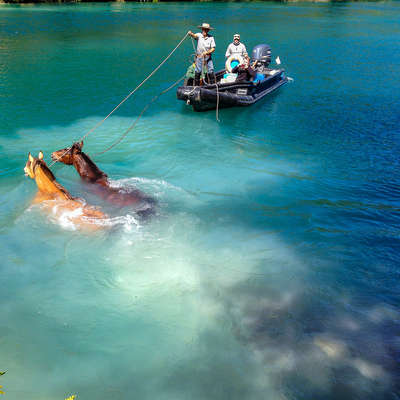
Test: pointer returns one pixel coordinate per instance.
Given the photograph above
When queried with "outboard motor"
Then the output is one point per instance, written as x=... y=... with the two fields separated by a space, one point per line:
x=262 y=55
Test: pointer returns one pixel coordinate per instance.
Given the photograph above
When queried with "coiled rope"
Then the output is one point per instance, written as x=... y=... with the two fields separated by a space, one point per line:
x=126 y=98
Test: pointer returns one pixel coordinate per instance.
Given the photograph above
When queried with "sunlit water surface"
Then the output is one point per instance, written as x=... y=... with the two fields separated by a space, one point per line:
x=270 y=267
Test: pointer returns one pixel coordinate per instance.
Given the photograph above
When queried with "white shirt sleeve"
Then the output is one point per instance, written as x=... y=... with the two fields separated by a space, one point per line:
x=198 y=35
x=212 y=42
x=228 y=51
x=244 y=51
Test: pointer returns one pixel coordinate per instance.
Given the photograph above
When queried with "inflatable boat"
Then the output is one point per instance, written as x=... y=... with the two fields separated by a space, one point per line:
x=228 y=91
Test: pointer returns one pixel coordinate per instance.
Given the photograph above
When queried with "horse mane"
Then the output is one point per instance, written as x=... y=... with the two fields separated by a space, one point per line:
x=46 y=170
x=95 y=169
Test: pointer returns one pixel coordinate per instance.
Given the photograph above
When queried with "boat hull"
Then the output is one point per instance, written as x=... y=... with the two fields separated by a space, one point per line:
x=241 y=94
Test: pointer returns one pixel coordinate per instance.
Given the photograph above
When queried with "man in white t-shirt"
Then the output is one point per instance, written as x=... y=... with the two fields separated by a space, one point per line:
x=205 y=47
x=236 y=48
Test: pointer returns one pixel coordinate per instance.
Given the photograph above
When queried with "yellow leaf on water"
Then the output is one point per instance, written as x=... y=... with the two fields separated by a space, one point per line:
x=1 y=392
x=71 y=397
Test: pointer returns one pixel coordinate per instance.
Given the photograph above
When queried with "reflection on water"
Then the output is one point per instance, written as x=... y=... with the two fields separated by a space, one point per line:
x=269 y=269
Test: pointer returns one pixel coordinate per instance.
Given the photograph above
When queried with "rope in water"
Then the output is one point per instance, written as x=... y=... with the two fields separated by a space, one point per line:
x=139 y=116
x=126 y=98
x=216 y=109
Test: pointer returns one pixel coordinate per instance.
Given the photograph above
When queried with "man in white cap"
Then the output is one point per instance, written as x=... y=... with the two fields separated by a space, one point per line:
x=205 y=47
x=236 y=48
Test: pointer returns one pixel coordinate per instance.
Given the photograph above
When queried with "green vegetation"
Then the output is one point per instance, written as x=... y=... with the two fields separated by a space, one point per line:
x=1 y=391
x=165 y=1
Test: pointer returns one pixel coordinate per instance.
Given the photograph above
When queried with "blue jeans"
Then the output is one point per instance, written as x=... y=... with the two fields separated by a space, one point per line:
x=199 y=64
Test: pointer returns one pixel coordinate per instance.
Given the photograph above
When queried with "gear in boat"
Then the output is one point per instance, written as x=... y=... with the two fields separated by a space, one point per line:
x=235 y=86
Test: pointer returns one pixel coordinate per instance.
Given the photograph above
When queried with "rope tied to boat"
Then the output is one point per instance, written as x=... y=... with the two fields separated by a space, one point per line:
x=126 y=98
x=216 y=109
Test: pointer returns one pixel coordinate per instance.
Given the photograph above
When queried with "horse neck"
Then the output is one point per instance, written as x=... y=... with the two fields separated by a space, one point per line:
x=86 y=168
x=47 y=184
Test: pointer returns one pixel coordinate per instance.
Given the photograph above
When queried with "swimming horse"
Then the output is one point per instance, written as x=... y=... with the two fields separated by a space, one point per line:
x=90 y=173
x=62 y=201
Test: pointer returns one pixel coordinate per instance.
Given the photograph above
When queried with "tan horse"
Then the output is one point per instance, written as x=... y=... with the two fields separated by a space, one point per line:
x=56 y=198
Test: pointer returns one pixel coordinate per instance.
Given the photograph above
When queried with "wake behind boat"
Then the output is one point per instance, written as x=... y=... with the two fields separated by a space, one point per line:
x=231 y=91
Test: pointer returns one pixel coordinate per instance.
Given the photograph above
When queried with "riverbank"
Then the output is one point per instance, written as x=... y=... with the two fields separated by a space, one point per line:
x=170 y=1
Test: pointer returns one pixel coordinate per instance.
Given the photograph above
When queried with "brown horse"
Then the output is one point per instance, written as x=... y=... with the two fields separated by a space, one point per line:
x=62 y=201
x=90 y=173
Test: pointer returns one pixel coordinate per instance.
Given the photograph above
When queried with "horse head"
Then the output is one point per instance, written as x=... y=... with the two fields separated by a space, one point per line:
x=32 y=163
x=86 y=168
x=66 y=156
x=37 y=169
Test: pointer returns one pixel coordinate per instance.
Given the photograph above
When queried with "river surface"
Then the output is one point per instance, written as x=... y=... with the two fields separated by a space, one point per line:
x=270 y=268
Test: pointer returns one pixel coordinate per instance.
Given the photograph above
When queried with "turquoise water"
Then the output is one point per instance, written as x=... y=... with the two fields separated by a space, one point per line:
x=270 y=270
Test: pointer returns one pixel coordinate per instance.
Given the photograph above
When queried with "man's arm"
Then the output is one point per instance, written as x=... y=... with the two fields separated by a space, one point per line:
x=228 y=51
x=193 y=35
x=208 y=52
x=212 y=49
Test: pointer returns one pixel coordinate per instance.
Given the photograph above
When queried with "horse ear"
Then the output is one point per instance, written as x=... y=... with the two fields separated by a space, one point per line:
x=40 y=156
x=30 y=157
x=81 y=143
